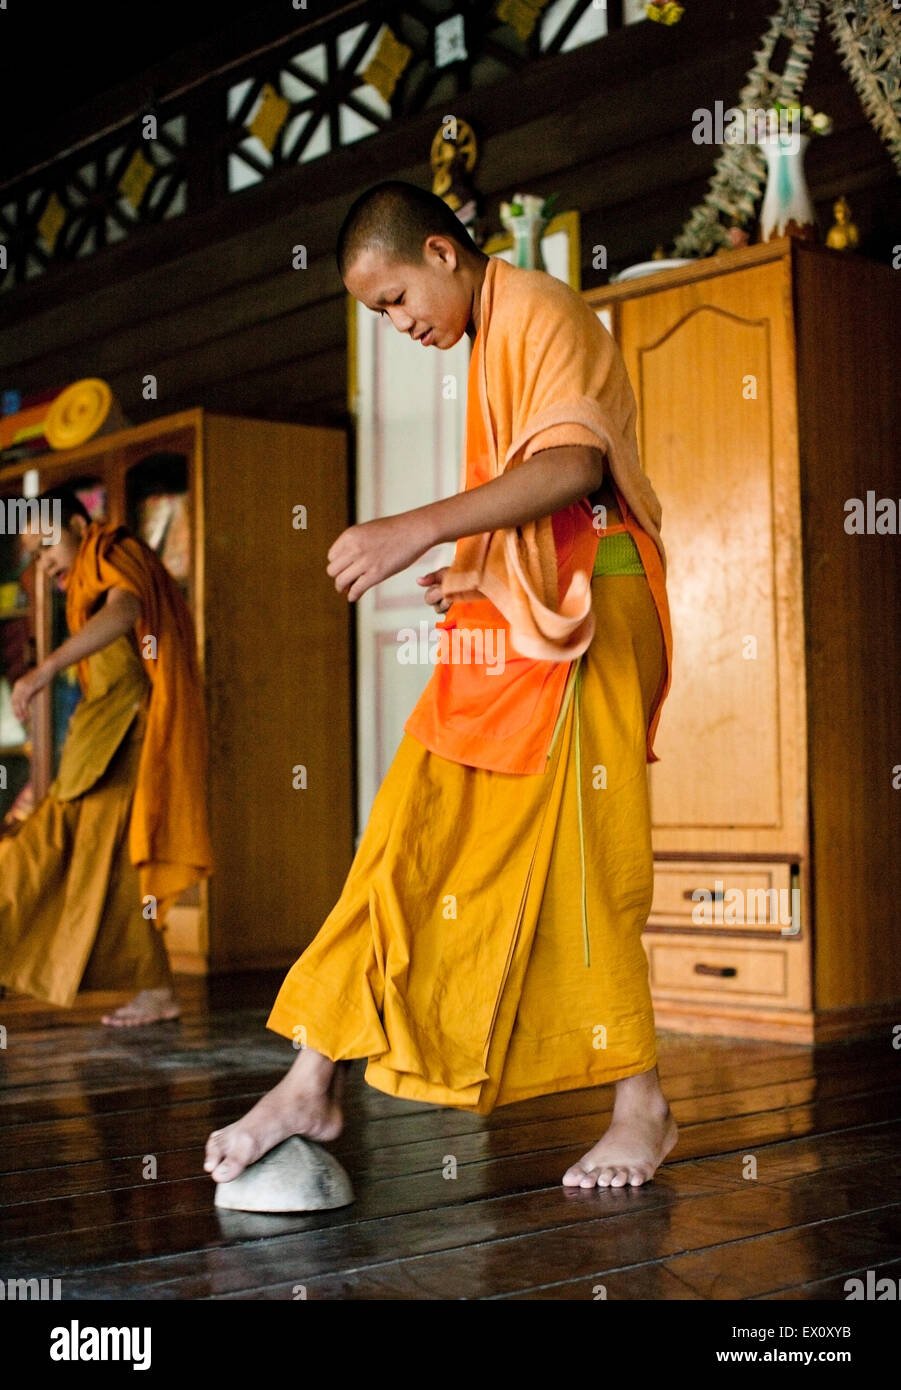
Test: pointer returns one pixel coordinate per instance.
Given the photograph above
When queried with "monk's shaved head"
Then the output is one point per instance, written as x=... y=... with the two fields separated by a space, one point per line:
x=393 y=219
x=66 y=501
x=402 y=253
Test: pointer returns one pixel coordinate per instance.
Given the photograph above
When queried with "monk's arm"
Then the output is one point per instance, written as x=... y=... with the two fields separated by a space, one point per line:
x=550 y=480
x=547 y=482
x=120 y=612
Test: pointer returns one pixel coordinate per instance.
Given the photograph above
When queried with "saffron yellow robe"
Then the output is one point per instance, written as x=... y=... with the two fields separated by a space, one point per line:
x=454 y=959
x=169 y=836
x=88 y=879
x=70 y=901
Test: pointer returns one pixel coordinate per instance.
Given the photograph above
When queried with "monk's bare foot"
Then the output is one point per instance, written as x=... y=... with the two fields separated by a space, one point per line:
x=306 y=1101
x=150 y=1006
x=641 y=1134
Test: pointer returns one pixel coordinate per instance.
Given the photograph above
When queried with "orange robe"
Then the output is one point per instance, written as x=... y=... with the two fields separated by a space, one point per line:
x=548 y=373
x=500 y=719
x=504 y=720
x=168 y=832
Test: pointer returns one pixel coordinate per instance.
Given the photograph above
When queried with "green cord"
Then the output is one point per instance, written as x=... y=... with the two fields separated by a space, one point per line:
x=562 y=715
x=579 y=806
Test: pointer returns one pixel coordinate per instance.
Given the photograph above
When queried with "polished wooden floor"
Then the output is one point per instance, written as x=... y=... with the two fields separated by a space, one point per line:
x=86 y=1109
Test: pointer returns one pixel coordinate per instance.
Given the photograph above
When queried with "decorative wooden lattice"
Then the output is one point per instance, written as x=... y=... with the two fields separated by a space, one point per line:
x=338 y=81
x=401 y=60
x=86 y=203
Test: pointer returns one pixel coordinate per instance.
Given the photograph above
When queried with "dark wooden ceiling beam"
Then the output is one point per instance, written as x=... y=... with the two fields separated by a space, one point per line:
x=299 y=382
x=119 y=332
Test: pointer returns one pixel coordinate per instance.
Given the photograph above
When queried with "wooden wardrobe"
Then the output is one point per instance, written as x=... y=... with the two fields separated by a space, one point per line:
x=768 y=394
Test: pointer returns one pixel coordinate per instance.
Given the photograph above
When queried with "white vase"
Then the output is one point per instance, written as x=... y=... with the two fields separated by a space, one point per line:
x=527 y=232
x=787 y=207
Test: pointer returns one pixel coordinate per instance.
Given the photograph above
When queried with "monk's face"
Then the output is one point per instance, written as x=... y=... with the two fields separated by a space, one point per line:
x=55 y=556
x=431 y=302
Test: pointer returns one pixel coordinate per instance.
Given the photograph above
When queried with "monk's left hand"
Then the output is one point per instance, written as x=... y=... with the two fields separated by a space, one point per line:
x=25 y=689
x=371 y=551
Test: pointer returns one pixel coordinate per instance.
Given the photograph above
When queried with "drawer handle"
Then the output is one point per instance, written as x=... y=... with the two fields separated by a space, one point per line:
x=716 y=894
x=724 y=971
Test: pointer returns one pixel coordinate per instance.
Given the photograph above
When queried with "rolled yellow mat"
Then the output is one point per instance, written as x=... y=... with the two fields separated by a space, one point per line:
x=81 y=411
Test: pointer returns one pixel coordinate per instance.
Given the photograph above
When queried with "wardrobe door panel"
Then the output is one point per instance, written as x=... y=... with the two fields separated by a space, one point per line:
x=710 y=365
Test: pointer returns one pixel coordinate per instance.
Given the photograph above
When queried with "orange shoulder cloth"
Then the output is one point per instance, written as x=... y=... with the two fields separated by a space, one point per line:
x=546 y=359
x=168 y=833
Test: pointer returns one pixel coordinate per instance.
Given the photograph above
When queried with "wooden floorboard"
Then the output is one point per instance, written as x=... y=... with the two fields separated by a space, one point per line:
x=84 y=1108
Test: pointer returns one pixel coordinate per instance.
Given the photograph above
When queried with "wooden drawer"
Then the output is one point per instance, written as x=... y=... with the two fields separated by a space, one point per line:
x=742 y=898
x=753 y=972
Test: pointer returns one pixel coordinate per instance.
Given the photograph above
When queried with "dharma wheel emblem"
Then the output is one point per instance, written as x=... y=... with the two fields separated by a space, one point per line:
x=453 y=157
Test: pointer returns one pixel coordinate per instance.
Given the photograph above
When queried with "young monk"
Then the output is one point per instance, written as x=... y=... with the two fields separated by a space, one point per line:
x=487 y=944
x=87 y=882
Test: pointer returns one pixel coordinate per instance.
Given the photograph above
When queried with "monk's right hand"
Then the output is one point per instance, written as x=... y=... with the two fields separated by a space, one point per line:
x=432 y=583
